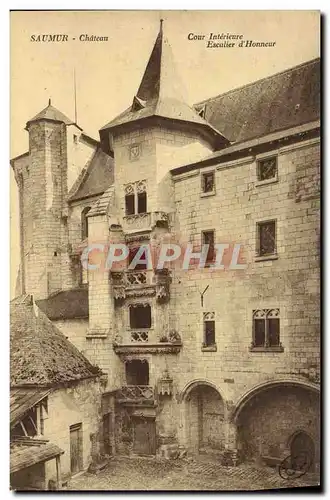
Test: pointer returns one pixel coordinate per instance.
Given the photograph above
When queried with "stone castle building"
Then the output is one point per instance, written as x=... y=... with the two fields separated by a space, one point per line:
x=222 y=361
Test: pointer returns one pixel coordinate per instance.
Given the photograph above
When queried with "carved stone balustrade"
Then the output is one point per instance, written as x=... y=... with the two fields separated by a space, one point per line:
x=136 y=394
x=145 y=341
x=142 y=283
x=144 y=222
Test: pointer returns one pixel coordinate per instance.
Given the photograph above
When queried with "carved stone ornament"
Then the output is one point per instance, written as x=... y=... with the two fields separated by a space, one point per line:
x=165 y=385
x=119 y=293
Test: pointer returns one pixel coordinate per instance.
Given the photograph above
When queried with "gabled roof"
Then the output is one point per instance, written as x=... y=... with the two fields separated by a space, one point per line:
x=22 y=400
x=160 y=94
x=284 y=100
x=101 y=206
x=40 y=355
x=66 y=304
x=51 y=114
x=95 y=178
x=25 y=452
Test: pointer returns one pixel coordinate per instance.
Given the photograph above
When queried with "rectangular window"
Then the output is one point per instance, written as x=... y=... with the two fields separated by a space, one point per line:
x=142 y=203
x=267 y=169
x=208 y=182
x=140 y=316
x=83 y=275
x=266 y=328
x=136 y=197
x=130 y=204
x=208 y=239
x=209 y=329
x=266 y=238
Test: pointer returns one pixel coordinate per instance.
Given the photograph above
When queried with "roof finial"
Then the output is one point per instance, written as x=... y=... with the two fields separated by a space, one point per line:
x=161 y=25
x=49 y=102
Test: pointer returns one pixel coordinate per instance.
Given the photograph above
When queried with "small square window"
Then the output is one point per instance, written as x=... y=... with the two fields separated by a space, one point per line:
x=267 y=169
x=75 y=139
x=208 y=239
x=266 y=238
x=140 y=316
x=208 y=182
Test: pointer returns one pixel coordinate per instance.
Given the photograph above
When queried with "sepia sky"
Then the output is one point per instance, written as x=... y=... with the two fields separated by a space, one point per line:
x=108 y=73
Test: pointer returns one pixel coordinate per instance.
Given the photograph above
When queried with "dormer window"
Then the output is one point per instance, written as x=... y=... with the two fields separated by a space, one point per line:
x=138 y=104
x=201 y=112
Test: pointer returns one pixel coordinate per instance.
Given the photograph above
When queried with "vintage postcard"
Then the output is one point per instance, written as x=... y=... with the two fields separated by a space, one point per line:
x=165 y=250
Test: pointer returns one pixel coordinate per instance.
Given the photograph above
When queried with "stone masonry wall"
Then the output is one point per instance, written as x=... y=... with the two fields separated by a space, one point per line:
x=160 y=150
x=42 y=201
x=290 y=283
x=80 y=403
x=265 y=428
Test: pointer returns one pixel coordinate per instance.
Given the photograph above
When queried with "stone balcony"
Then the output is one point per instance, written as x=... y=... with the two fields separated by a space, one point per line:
x=134 y=341
x=136 y=395
x=144 y=222
x=144 y=283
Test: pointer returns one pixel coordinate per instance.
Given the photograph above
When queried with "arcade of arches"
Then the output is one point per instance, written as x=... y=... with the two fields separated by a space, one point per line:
x=274 y=422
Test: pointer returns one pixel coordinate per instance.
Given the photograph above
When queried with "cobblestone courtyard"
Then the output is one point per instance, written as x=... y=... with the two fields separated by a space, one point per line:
x=150 y=474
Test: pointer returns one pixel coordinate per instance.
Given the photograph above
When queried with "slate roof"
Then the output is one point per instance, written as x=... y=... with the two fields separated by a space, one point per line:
x=40 y=355
x=25 y=452
x=100 y=207
x=286 y=99
x=160 y=94
x=95 y=178
x=66 y=304
x=51 y=114
x=22 y=399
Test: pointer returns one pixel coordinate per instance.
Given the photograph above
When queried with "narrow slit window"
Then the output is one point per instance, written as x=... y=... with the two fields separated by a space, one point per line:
x=208 y=239
x=209 y=330
x=84 y=223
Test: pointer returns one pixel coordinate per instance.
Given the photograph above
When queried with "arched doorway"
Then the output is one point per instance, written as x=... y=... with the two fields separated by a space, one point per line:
x=302 y=447
x=204 y=422
x=270 y=414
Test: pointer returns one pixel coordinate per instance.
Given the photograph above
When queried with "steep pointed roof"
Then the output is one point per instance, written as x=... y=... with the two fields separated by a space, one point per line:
x=161 y=94
x=50 y=113
x=95 y=178
x=40 y=355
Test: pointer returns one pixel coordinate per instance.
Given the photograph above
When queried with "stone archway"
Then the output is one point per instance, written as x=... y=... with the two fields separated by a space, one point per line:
x=204 y=418
x=268 y=415
x=302 y=447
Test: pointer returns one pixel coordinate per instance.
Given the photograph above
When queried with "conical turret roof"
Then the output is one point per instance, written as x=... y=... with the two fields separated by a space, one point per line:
x=161 y=94
x=50 y=113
